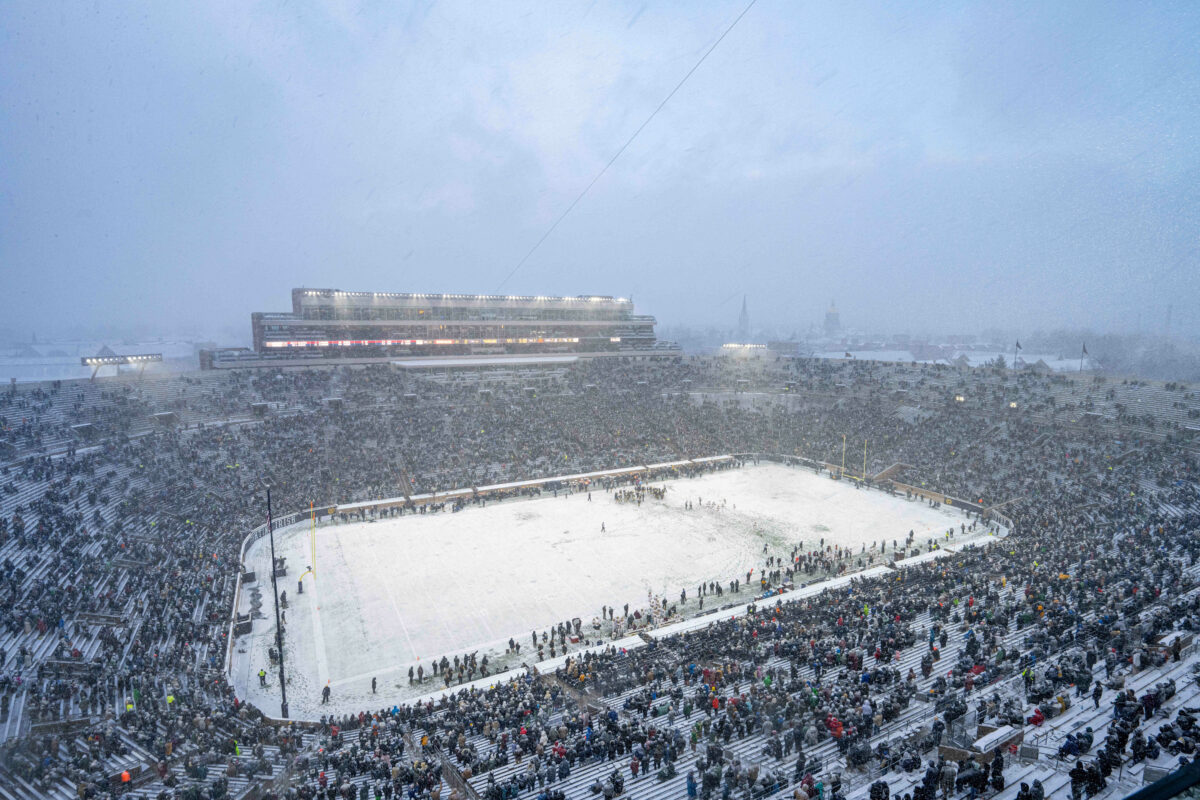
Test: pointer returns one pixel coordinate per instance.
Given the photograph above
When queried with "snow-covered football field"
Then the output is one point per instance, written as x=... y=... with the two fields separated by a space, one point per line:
x=401 y=591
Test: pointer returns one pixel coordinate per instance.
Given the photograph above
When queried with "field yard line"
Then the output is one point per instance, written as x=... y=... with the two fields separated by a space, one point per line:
x=319 y=635
x=376 y=673
x=387 y=587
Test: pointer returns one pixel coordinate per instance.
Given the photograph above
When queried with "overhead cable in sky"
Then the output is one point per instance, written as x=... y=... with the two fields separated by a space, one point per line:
x=625 y=146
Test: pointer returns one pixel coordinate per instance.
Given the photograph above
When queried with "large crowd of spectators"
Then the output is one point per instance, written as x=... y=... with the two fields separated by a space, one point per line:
x=119 y=556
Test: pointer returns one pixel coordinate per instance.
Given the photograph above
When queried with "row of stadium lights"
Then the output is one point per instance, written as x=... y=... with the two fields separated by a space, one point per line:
x=422 y=342
x=473 y=296
x=93 y=360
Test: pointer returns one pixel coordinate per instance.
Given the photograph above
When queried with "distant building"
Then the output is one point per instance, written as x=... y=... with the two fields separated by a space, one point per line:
x=743 y=350
x=833 y=321
x=333 y=326
x=744 y=323
x=924 y=351
x=1040 y=367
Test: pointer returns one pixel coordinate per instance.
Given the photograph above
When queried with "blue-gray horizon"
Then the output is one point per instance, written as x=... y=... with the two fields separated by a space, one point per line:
x=173 y=167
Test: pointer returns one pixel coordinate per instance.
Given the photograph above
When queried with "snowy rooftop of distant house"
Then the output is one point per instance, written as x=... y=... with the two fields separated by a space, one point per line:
x=951 y=355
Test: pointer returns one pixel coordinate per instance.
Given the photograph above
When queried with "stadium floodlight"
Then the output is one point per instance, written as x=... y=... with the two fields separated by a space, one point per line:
x=1012 y=404
x=283 y=705
x=958 y=398
x=140 y=360
x=106 y=361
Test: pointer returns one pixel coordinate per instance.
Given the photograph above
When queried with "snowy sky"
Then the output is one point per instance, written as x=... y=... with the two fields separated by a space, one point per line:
x=932 y=166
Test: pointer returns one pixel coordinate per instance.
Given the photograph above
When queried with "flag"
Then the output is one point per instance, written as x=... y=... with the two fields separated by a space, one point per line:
x=1085 y=348
x=1018 y=344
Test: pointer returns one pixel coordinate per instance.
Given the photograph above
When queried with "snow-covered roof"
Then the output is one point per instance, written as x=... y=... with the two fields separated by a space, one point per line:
x=956 y=356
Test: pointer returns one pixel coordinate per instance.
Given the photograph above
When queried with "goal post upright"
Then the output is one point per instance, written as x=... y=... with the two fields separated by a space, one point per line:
x=278 y=624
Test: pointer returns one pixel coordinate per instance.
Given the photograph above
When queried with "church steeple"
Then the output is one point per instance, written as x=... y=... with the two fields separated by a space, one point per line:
x=833 y=321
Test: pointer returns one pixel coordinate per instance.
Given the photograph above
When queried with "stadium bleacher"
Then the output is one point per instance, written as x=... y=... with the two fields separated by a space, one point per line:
x=119 y=563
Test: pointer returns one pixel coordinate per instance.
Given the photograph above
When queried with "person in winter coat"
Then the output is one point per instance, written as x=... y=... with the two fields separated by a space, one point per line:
x=1095 y=780
x=801 y=762
x=972 y=777
x=1138 y=746
x=998 y=771
x=930 y=782
x=1079 y=776
x=1023 y=793
x=949 y=777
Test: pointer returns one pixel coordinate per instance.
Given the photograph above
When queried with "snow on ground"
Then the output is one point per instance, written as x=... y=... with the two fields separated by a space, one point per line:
x=401 y=591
